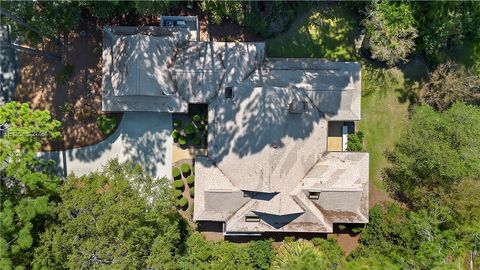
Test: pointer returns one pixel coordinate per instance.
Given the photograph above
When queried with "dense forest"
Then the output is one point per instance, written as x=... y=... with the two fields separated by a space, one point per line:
x=121 y=218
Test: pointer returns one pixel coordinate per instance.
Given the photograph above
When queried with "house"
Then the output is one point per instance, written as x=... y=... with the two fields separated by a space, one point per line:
x=277 y=128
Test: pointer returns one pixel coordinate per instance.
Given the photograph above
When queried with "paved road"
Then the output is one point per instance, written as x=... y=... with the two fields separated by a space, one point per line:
x=142 y=137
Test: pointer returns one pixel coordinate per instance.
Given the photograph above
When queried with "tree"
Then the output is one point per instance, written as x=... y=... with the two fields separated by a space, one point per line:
x=26 y=186
x=449 y=83
x=260 y=254
x=390 y=31
x=154 y=7
x=299 y=255
x=115 y=218
x=220 y=10
x=445 y=23
x=49 y=18
x=436 y=152
x=201 y=254
x=414 y=240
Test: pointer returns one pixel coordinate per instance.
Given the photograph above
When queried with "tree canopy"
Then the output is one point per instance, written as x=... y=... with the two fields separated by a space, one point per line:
x=390 y=31
x=450 y=82
x=436 y=152
x=26 y=186
x=114 y=218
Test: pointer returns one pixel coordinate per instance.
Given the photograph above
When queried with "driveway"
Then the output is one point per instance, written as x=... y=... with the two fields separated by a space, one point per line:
x=142 y=137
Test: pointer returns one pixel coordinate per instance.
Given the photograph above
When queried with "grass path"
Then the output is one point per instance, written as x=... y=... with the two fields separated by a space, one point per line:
x=384 y=117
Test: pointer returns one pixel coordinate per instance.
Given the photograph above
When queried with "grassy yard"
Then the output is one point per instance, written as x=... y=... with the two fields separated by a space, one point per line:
x=326 y=32
x=330 y=33
x=384 y=115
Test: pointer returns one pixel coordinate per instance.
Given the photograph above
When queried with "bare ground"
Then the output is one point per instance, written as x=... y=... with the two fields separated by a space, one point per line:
x=80 y=95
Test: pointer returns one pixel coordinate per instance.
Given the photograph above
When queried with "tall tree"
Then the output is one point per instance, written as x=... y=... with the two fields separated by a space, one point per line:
x=299 y=255
x=26 y=186
x=446 y=23
x=449 y=83
x=220 y=10
x=390 y=31
x=114 y=218
x=435 y=153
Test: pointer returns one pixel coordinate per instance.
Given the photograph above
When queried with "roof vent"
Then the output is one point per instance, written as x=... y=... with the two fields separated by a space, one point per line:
x=252 y=219
x=297 y=107
x=229 y=92
x=313 y=195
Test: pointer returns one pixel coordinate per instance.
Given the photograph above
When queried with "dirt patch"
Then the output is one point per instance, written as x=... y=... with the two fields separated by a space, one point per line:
x=74 y=100
x=378 y=196
x=346 y=242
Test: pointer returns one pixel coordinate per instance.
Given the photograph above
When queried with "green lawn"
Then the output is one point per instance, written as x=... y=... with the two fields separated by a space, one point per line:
x=326 y=32
x=384 y=115
x=330 y=32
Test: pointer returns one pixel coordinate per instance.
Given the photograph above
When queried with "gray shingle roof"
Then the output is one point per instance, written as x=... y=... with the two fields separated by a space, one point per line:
x=262 y=159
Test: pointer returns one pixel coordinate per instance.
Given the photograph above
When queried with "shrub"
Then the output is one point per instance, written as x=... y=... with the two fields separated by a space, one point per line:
x=106 y=124
x=175 y=172
x=197 y=118
x=185 y=168
x=342 y=227
x=189 y=129
x=192 y=192
x=177 y=193
x=182 y=140
x=190 y=179
x=196 y=141
x=175 y=134
x=355 y=142
x=178 y=184
x=177 y=123
x=182 y=202
x=65 y=73
x=201 y=127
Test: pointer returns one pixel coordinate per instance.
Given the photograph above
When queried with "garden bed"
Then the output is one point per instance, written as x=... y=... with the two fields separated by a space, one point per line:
x=190 y=130
x=183 y=173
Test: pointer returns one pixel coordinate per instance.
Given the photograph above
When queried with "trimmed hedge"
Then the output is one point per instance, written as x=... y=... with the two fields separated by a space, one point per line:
x=189 y=129
x=192 y=192
x=182 y=140
x=190 y=179
x=177 y=123
x=175 y=172
x=178 y=184
x=185 y=168
x=201 y=127
x=106 y=124
x=196 y=141
x=175 y=134
x=177 y=193
x=182 y=202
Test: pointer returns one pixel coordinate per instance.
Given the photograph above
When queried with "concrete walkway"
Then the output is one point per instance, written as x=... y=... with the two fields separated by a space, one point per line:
x=142 y=137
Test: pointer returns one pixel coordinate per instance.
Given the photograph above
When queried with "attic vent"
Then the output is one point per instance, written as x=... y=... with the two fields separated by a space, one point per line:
x=252 y=219
x=228 y=92
x=298 y=107
x=314 y=195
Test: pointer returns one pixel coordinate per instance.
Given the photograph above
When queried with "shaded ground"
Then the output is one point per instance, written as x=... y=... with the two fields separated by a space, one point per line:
x=327 y=31
x=76 y=102
x=225 y=31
